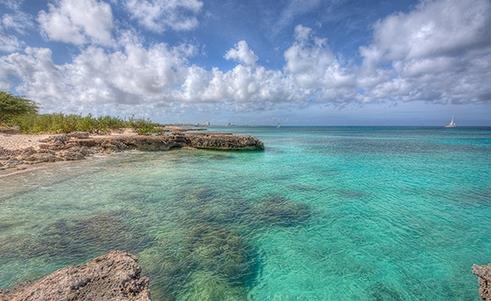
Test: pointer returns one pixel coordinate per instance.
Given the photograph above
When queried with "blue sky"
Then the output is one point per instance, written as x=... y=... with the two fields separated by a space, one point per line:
x=296 y=62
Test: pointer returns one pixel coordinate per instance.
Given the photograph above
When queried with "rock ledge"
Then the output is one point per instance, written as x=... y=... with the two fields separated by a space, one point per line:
x=115 y=276
x=483 y=273
x=79 y=145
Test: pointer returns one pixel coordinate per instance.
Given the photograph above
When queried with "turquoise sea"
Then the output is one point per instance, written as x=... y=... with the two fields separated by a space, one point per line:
x=324 y=213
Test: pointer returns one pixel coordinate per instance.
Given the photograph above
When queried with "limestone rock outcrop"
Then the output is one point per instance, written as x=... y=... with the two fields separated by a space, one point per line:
x=223 y=141
x=115 y=276
x=79 y=145
x=483 y=273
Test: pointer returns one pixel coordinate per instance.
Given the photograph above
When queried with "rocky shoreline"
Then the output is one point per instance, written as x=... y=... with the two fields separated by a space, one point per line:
x=115 y=276
x=79 y=145
x=483 y=273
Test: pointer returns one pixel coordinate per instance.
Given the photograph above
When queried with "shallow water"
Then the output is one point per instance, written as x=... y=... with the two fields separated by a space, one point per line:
x=323 y=214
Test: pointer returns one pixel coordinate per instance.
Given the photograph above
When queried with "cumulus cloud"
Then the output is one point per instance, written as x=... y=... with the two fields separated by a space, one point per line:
x=242 y=53
x=312 y=65
x=434 y=28
x=96 y=77
x=159 y=15
x=11 y=26
x=160 y=75
x=9 y=43
x=432 y=53
x=78 y=22
x=439 y=52
x=18 y=21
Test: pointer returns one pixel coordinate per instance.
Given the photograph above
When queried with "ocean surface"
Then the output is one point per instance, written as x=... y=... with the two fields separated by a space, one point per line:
x=324 y=213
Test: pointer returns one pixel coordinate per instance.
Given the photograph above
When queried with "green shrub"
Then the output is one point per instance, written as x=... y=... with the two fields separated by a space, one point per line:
x=21 y=112
x=12 y=106
x=61 y=123
x=143 y=127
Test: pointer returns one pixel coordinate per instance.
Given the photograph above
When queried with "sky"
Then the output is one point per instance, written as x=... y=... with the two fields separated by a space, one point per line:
x=255 y=62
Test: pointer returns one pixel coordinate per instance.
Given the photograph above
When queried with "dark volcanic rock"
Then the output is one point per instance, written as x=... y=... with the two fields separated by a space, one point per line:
x=483 y=273
x=115 y=276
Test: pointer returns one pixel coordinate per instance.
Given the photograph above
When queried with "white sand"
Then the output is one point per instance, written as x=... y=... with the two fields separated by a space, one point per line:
x=14 y=142
x=21 y=141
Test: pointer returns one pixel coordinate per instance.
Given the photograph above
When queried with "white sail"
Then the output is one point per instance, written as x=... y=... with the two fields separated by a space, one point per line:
x=452 y=123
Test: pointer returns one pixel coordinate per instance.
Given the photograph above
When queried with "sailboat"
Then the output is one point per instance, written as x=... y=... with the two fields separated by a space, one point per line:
x=452 y=124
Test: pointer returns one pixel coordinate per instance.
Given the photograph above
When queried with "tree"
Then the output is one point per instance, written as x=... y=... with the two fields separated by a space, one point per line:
x=11 y=106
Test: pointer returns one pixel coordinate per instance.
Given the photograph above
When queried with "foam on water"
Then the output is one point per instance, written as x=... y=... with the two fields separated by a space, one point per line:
x=322 y=214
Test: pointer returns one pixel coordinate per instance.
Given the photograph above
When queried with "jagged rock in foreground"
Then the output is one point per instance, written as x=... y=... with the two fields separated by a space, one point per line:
x=79 y=145
x=115 y=276
x=483 y=273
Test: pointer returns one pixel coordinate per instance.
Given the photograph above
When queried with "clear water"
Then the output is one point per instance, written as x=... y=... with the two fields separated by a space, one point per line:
x=348 y=213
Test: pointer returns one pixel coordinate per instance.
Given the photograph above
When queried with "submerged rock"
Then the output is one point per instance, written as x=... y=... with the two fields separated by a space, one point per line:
x=75 y=239
x=104 y=232
x=169 y=268
x=483 y=273
x=211 y=287
x=175 y=260
x=204 y=206
x=115 y=276
x=223 y=252
x=282 y=212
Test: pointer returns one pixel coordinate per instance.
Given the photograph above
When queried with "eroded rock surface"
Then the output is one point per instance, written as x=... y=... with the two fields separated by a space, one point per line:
x=115 y=276
x=79 y=145
x=223 y=141
x=483 y=273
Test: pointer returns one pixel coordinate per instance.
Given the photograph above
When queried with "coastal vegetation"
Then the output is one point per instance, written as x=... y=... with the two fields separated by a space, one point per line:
x=12 y=106
x=22 y=113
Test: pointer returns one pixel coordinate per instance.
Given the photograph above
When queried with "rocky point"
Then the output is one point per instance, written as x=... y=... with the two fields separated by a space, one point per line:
x=79 y=145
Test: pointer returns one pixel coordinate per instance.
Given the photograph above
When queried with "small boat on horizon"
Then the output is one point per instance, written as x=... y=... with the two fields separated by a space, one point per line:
x=452 y=124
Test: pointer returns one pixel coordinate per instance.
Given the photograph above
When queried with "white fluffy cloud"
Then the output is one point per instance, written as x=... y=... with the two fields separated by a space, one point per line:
x=19 y=22
x=78 y=22
x=9 y=43
x=311 y=64
x=242 y=54
x=434 y=28
x=12 y=25
x=158 y=15
x=160 y=75
x=439 y=52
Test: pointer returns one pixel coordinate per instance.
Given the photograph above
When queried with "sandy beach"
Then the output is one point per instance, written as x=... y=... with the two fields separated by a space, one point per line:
x=21 y=141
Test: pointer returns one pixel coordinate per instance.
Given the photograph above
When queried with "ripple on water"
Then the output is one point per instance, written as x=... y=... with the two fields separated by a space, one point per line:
x=322 y=214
